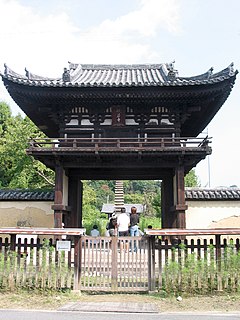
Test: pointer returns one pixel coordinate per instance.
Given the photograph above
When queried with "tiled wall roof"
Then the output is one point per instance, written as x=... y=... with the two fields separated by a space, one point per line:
x=26 y=195
x=190 y=193
x=212 y=194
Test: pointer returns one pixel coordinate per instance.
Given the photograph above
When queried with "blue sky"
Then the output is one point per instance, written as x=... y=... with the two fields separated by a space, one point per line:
x=198 y=34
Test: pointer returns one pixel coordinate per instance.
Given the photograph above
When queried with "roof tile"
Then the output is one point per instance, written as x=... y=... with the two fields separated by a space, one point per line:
x=23 y=195
x=190 y=194
x=212 y=194
x=119 y=76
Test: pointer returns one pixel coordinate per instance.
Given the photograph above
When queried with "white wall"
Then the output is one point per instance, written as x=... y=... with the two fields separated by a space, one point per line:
x=213 y=214
x=26 y=214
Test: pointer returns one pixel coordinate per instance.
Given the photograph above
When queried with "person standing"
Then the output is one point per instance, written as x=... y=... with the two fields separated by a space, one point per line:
x=134 y=229
x=134 y=220
x=112 y=225
x=123 y=222
x=95 y=232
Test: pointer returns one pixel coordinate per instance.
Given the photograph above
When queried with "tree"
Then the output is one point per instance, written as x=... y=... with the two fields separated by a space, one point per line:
x=104 y=191
x=91 y=214
x=191 y=179
x=18 y=170
x=5 y=116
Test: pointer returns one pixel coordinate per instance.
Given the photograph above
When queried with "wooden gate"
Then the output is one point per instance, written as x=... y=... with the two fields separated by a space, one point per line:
x=114 y=263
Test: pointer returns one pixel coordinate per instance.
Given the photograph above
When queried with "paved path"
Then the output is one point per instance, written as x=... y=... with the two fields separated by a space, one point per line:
x=110 y=307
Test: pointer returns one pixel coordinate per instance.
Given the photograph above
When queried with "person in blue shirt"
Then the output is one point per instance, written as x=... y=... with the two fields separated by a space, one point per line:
x=95 y=232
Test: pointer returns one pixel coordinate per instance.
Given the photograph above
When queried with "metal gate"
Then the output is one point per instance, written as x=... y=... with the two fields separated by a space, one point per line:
x=114 y=263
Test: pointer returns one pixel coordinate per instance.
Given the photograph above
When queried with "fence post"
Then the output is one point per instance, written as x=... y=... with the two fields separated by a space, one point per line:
x=12 y=242
x=151 y=264
x=114 y=280
x=218 y=261
x=77 y=262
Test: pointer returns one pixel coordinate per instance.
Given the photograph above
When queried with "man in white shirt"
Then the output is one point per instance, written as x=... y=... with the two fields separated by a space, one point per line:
x=123 y=222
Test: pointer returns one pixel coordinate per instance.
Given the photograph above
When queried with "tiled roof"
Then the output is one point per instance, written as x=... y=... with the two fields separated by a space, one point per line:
x=138 y=75
x=26 y=195
x=190 y=194
x=212 y=194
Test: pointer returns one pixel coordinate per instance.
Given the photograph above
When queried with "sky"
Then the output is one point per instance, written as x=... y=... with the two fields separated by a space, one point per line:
x=43 y=35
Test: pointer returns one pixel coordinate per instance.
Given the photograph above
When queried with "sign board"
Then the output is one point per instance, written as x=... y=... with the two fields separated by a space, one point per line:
x=63 y=245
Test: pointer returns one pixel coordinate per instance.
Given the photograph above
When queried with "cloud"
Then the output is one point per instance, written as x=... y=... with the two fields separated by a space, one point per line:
x=29 y=37
x=44 y=43
x=147 y=20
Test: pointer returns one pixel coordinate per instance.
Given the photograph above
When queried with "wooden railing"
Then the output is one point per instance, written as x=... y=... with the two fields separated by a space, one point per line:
x=137 y=144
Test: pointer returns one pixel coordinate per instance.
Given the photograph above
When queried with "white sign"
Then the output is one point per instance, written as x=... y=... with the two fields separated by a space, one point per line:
x=63 y=245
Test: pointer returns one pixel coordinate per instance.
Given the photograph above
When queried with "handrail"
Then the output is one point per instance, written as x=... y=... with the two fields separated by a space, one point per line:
x=192 y=232
x=44 y=231
x=139 y=143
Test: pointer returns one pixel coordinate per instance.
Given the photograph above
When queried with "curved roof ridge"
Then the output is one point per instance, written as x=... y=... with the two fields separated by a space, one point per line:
x=35 y=77
x=11 y=73
x=203 y=76
x=85 y=75
x=122 y=66
x=229 y=71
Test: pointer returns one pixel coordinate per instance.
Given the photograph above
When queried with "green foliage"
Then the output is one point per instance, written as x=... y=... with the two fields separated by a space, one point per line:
x=17 y=169
x=191 y=179
x=156 y=203
x=5 y=117
x=145 y=192
x=104 y=191
x=155 y=222
x=134 y=198
x=91 y=214
x=141 y=186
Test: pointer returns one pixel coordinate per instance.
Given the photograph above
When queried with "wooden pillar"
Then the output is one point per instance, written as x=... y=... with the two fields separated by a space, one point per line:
x=168 y=216
x=179 y=197
x=60 y=197
x=75 y=187
x=77 y=263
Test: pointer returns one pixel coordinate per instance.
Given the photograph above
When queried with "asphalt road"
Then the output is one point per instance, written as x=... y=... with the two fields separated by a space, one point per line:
x=59 y=315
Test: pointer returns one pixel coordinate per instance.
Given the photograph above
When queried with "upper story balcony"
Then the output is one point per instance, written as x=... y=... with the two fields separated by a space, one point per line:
x=125 y=158
x=98 y=146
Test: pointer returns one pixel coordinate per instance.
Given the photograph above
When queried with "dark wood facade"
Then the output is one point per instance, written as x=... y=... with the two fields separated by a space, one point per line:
x=120 y=122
